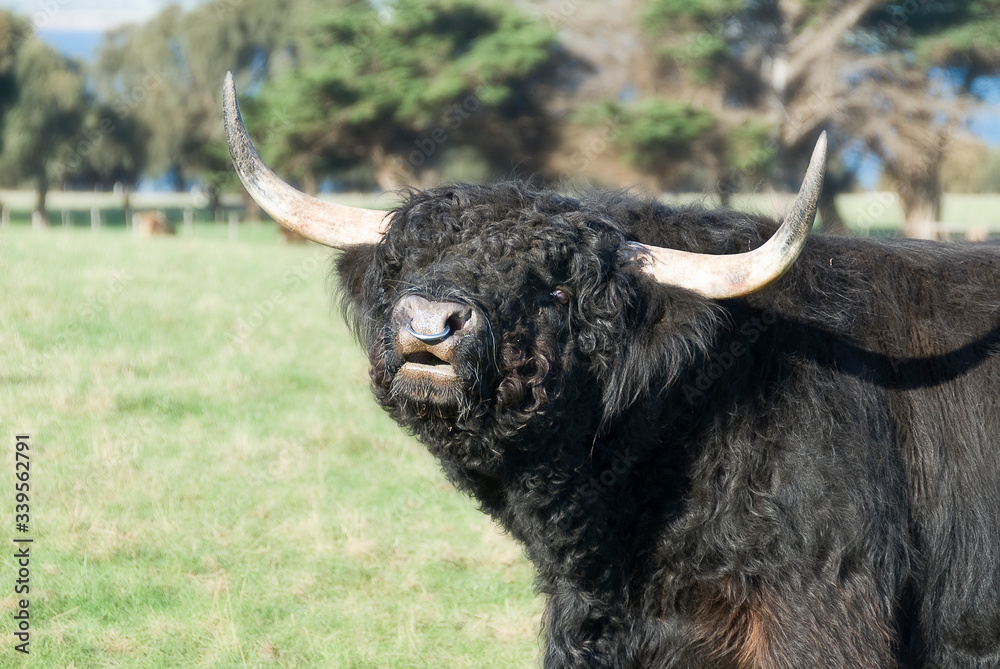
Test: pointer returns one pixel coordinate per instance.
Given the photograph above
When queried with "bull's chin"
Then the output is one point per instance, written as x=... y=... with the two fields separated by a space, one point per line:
x=435 y=387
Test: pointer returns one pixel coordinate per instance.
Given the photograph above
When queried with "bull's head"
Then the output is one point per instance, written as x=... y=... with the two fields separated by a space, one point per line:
x=487 y=303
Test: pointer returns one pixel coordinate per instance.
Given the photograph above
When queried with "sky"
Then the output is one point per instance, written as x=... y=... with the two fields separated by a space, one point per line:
x=87 y=15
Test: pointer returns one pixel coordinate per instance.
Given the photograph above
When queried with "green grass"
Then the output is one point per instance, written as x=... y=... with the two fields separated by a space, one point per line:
x=213 y=486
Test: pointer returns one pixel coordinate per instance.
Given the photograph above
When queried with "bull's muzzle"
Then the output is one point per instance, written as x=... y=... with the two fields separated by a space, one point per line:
x=430 y=339
x=427 y=332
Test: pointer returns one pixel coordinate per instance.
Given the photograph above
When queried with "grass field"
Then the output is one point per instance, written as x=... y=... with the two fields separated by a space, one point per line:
x=211 y=483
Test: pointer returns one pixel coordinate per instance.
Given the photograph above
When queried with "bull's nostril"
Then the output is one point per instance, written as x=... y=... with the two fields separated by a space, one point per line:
x=458 y=321
x=430 y=338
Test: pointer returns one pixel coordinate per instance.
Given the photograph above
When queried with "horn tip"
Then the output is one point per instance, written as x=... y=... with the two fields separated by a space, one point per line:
x=820 y=148
x=229 y=87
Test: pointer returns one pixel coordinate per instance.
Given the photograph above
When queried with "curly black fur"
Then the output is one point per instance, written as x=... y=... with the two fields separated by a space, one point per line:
x=806 y=477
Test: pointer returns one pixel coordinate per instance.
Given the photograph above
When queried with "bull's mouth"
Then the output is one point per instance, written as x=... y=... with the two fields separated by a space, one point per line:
x=426 y=382
x=426 y=335
x=424 y=364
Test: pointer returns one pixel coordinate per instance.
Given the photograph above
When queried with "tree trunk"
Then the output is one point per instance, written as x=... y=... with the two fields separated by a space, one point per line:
x=921 y=198
x=391 y=171
x=915 y=167
x=251 y=210
x=727 y=186
x=42 y=195
x=180 y=184
x=921 y=216
x=127 y=205
x=310 y=184
x=832 y=187
x=214 y=202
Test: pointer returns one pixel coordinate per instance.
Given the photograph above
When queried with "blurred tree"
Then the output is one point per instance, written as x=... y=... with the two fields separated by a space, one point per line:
x=42 y=110
x=11 y=29
x=990 y=180
x=660 y=136
x=111 y=153
x=13 y=32
x=162 y=79
x=893 y=78
x=963 y=166
x=933 y=56
x=115 y=148
x=401 y=86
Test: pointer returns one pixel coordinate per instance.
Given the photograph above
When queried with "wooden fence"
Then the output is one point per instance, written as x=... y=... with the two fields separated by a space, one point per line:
x=964 y=216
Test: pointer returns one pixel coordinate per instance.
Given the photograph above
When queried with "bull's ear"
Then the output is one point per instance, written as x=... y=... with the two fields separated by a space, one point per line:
x=350 y=268
x=666 y=332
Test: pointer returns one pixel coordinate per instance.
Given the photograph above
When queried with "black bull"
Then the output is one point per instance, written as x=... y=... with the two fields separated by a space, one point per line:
x=804 y=476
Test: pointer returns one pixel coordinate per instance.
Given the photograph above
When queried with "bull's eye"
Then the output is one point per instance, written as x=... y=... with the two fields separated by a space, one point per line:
x=560 y=296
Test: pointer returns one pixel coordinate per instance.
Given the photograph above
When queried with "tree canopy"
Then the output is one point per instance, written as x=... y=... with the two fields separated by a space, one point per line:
x=727 y=94
x=398 y=88
x=43 y=105
x=164 y=76
x=891 y=78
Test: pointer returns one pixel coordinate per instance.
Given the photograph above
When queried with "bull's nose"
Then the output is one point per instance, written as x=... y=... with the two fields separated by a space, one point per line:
x=432 y=322
x=430 y=339
x=427 y=332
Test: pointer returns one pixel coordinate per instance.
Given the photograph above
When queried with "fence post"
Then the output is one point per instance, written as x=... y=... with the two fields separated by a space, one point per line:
x=4 y=217
x=95 y=219
x=189 y=222
x=233 y=226
x=36 y=220
x=135 y=223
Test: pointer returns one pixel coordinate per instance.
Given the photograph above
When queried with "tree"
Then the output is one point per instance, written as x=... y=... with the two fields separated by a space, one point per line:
x=13 y=31
x=164 y=77
x=115 y=145
x=46 y=107
x=894 y=78
x=671 y=140
x=934 y=55
x=657 y=135
x=399 y=89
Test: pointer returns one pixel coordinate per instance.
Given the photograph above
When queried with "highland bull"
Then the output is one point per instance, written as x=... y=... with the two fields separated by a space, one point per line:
x=721 y=442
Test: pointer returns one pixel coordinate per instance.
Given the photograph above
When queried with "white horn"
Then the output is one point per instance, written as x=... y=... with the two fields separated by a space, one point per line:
x=326 y=223
x=724 y=276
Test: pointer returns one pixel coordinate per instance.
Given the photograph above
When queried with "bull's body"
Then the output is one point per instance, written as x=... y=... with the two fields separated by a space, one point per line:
x=808 y=476
x=715 y=458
